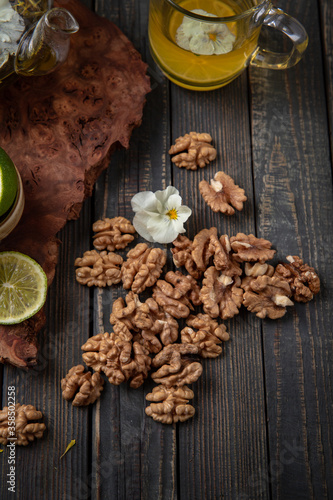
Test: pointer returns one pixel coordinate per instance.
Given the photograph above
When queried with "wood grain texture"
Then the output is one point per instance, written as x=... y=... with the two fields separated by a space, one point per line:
x=263 y=423
x=326 y=17
x=293 y=181
x=60 y=130
x=230 y=427
x=140 y=454
x=67 y=328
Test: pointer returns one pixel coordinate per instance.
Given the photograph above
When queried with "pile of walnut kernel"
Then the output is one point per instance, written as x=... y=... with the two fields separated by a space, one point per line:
x=219 y=274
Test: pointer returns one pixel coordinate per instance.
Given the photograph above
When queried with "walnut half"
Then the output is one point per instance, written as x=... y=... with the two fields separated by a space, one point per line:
x=222 y=194
x=221 y=295
x=26 y=430
x=199 y=151
x=142 y=267
x=176 y=368
x=170 y=404
x=207 y=336
x=98 y=269
x=303 y=280
x=268 y=296
x=113 y=234
x=84 y=387
x=248 y=248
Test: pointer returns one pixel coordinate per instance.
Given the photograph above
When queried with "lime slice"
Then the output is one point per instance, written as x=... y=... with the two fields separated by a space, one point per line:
x=23 y=287
x=8 y=182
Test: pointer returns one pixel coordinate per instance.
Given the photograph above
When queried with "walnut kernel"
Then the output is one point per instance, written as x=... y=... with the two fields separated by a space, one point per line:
x=199 y=151
x=113 y=234
x=175 y=367
x=98 y=269
x=26 y=430
x=221 y=295
x=222 y=194
x=248 y=248
x=170 y=405
x=142 y=268
x=268 y=296
x=303 y=280
x=89 y=386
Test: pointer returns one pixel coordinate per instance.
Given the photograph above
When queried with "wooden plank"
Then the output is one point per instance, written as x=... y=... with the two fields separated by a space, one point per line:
x=138 y=455
x=326 y=11
x=293 y=184
x=39 y=469
x=223 y=449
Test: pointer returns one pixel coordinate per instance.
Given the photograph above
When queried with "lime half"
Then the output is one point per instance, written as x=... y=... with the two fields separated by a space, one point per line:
x=8 y=182
x=23 y=287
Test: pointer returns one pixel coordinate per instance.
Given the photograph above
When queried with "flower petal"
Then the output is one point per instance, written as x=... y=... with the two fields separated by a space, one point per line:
x=163 y=196
x=140 y=222
x=174 y=201
x=145 y=200
x=179 y=225
x=164 y=232
x=224 y=45
x=201 y=44
x=183 y=213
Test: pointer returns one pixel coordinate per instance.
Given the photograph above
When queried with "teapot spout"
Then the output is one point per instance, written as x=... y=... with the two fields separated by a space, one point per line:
x=45 y=46
x=62 y=21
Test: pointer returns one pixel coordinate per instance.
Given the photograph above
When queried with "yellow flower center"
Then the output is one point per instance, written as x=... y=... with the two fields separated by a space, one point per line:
x=212 y=36
x=172 y=214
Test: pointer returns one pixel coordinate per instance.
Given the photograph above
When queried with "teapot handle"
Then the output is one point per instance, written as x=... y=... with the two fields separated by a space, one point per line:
x=288 y=25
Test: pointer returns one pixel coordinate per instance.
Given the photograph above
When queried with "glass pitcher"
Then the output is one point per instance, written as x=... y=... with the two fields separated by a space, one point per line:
x=205 y=44
x=34 y=37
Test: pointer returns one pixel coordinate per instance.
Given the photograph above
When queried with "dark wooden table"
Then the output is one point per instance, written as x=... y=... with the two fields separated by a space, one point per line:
x=264 y=408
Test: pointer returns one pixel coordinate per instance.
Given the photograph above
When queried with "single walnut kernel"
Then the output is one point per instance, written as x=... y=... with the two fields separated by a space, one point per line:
x=208 y=336
x=163 y=323
x=134 y=314
x=182 y=256
x=175 y=367
x=98 y=269
x=186 y=284
x=177 y=294
x=223 y=257
x=119 y=359
x=252 y=271
x=202 y=249
x=142 y=268
x=113 y=234
x=222 y=194
x=303 y=279
x=170 y=405
x=26 y=430
x=200 y=151
x=89 y=385
x=268 y=296
x=248 y=248
x=221 y=295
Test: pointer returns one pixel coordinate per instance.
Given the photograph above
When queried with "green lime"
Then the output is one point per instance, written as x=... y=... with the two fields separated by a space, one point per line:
x=8 y=182
x=23 y=287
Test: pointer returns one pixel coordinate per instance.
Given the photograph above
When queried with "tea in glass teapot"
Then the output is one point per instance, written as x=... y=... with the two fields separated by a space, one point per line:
x=34 y=37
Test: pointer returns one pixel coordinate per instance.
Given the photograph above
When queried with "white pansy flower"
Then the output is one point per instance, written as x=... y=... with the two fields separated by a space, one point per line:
x=204 y=38
x=159 y=216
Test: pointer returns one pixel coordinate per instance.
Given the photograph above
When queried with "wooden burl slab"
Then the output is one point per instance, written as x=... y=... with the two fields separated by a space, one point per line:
x=60 y=131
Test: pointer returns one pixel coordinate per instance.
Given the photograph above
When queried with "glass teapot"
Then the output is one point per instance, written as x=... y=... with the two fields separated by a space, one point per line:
x=34 y=37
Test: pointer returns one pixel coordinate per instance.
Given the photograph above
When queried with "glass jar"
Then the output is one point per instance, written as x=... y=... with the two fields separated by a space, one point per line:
x=10 y=220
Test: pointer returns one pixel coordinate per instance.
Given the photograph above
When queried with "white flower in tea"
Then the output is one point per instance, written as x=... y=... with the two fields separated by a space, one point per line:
x=11 y=29
x=204 y=38
x=159 y=216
